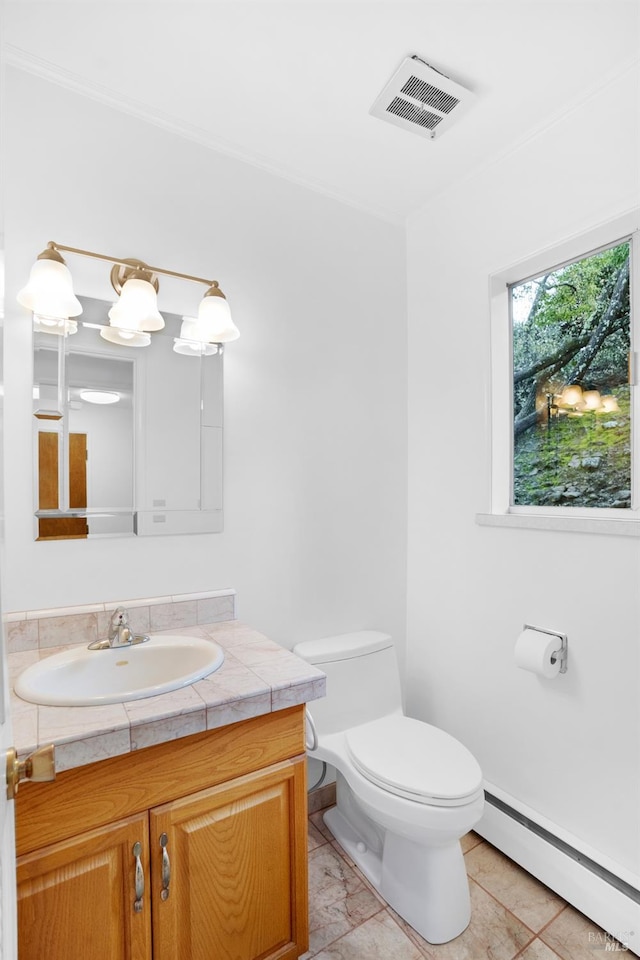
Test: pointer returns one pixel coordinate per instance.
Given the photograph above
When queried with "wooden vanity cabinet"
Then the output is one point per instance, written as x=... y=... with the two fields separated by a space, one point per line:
x=220 y=819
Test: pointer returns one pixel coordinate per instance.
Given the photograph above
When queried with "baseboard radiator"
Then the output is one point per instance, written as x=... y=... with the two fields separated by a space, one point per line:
x=609 y=897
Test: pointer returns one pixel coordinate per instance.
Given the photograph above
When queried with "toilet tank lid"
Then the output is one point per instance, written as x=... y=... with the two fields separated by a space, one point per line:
x=345 y=646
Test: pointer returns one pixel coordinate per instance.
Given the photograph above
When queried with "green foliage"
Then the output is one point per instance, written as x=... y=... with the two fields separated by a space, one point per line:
x=564 y=305
x=581 y=462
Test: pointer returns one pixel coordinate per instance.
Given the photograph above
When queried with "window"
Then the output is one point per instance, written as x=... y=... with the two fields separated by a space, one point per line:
x=565 y=417
x=571 y=341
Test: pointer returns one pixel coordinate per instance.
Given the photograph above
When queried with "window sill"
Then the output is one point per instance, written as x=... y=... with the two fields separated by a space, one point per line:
x=615 y=528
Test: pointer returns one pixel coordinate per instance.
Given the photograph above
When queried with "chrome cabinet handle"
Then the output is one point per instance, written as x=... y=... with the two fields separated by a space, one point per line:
x=139 y=882
x=166 y=867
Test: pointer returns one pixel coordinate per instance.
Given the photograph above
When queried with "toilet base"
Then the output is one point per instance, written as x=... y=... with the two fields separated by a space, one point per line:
x=426 y=885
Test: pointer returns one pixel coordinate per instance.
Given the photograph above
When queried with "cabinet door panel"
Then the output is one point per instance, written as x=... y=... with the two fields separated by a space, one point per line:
x=238 y=884
x=76 y=898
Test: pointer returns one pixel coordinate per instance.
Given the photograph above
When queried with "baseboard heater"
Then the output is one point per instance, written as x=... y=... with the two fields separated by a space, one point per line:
x=609 y=900
x=566 y=848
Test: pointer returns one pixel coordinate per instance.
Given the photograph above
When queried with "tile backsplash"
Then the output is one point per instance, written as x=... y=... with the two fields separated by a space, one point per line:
x=39 y=629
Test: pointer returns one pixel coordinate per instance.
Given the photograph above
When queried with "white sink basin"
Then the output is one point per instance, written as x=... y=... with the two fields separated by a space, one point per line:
x=82 y=677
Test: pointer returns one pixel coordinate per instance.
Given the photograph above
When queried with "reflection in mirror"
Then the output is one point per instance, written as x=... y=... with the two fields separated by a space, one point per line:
x=85 y=448
x=127 y=440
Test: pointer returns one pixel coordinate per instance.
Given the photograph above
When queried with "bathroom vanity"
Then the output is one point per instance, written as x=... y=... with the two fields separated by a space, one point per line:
x=193 y=846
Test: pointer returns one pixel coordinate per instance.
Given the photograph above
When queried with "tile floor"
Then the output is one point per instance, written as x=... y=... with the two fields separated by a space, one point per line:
x=513 y=915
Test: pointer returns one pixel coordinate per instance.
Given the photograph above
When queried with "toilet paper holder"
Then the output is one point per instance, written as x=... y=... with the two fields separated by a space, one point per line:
x=562 y=652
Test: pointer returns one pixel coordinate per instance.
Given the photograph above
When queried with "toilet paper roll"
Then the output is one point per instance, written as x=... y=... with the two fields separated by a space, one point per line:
x=533 y=652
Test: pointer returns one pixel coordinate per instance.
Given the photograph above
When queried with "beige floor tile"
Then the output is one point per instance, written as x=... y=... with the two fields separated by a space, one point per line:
x=368 y=884
x=493 y=932
x=469 y=841
x=574 y=937
x=522 y=894
x=538 y=951
x=314 y=837
x=380 y=938
x=319 y=824
x=338 y=899
x=342 y=852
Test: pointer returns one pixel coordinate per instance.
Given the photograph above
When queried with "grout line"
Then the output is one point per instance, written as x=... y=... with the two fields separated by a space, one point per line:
x=390 y=913
x=520 y=953
x=352 y=867
x=508 y=909
x=503 y=905
x=553 y=920
x=479 y=840
x=524 y=948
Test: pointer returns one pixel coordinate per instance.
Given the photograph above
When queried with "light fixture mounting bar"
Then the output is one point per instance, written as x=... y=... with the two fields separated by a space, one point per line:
x=52 y=245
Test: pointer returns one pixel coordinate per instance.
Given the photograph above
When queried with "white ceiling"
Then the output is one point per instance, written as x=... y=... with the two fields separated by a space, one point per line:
x=288 y=85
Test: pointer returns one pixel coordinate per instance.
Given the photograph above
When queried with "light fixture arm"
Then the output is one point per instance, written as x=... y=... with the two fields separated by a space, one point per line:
x=53 y=247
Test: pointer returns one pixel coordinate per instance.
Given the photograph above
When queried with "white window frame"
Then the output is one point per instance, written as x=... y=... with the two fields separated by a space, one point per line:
x=625 y=522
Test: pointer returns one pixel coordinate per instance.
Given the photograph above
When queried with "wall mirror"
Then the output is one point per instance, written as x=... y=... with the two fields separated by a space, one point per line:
x=127 y=440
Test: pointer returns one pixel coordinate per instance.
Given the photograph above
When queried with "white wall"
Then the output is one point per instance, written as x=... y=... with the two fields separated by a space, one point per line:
x=108 y=429
x=569 y=749
x=315 y=389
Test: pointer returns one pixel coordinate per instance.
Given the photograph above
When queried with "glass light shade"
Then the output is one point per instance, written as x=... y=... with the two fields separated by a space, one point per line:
x=191 y=342
x=194 y=348
x=125 y=338
x=214 y=319
x=137 y=308
x=59 y=326
x=572 y=395
x=609 y=404
x=592 y=399
x=99 y=396
x=49 y=291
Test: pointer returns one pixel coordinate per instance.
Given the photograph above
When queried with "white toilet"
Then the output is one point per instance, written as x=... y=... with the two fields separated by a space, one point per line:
x=406 y=791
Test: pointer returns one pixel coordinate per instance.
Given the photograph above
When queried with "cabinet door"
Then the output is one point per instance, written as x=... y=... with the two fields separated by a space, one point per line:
x=238 y=869
x=76 y=898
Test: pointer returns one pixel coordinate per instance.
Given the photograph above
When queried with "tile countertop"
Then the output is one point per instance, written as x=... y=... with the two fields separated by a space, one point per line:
x=258 y=676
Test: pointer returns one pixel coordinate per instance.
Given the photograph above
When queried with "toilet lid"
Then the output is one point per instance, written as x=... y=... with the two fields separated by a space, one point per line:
x=414 y=760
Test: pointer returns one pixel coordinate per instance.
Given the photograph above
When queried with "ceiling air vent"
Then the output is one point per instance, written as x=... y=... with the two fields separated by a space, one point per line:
x=421 y=99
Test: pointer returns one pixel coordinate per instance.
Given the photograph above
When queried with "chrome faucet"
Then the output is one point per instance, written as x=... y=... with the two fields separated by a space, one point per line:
x=119 y=633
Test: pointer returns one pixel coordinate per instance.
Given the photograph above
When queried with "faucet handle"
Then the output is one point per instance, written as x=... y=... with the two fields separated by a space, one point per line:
x=120 y=617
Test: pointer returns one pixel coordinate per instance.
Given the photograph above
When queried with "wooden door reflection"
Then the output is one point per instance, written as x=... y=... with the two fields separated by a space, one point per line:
x=58 y=528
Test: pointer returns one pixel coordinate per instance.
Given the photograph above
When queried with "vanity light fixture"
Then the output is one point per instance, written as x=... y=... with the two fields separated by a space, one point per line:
x=135 y=315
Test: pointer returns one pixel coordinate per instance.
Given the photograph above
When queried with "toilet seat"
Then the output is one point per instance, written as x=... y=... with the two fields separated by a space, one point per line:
x=414 y=760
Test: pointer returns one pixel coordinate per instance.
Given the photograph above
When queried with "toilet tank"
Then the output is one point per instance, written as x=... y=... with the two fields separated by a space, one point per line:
x=363 y=682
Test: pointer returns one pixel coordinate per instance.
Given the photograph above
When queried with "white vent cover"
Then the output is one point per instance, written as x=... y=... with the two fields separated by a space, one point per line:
x=421 y=99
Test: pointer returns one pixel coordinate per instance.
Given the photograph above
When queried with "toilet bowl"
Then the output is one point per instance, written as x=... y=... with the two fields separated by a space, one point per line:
x=406 y=791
